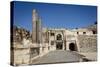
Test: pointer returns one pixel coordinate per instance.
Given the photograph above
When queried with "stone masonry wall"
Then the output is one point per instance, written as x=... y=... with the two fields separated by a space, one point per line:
x=21 y=56
x=88 y=43
x=22 y=50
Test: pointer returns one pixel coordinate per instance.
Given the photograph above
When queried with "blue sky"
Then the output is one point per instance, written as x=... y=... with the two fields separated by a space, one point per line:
x=54 y=15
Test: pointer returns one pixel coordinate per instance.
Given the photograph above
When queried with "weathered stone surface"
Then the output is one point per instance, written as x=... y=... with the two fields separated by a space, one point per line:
x=88 y=43
x=58 y=56
x=21 y=56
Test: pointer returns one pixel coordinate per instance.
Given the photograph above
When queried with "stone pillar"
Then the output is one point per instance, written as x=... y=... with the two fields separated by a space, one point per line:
x=39 y=35
x=40 y=32
x=77 y=44
x=36 y=31
x=34 y=24
x=63 y=40
x=67 y=45
x=37 y=28
x=63 y=46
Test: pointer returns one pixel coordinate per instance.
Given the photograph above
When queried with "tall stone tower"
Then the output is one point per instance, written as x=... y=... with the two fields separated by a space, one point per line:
x=36 y=28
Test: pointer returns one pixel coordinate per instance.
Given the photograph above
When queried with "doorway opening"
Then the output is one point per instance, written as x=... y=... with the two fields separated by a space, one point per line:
x=59 y=45
x=72 y=47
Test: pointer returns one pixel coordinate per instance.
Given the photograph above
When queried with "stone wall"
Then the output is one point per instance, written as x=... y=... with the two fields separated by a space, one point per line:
x=21 y=56
x=22 y=48
x=88 y=43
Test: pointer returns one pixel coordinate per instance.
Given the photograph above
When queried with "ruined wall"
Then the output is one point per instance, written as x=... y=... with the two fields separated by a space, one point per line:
x=88 y=43
x=22 y=49
x=21 y=56
x=19 y=33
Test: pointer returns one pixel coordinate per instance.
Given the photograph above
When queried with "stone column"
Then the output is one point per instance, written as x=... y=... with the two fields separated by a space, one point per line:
x=36 y=31
x=34 y=24
x=39 y=32
x=37 y=28
x=39 y=35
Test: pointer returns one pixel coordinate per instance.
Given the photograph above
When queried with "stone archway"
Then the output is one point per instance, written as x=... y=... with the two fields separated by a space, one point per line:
x=72 y=47
x=59 y=37
x=59 y=42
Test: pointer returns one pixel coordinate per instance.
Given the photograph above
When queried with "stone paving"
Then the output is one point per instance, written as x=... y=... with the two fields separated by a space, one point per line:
x=58 y=56
x=90 y=55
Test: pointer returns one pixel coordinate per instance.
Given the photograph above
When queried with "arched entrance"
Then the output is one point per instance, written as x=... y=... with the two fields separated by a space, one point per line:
x=59 y=42
x=72 y=47
x=59 y=37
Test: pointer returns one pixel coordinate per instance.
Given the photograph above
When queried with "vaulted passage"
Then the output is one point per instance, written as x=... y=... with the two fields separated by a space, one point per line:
x=72 y=47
